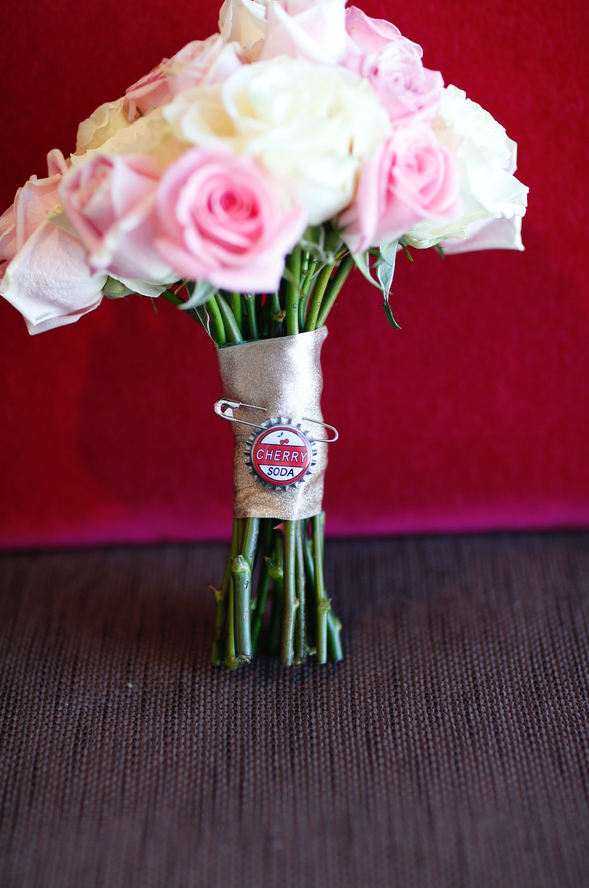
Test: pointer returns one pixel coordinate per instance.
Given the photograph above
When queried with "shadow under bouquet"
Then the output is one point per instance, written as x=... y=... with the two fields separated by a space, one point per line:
x=243 y=180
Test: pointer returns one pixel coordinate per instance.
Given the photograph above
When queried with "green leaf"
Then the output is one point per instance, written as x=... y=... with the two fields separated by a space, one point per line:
x=362 y=261
x=203 y=290
x=389 y=315
x=203 y=316
x=405 y=250
x=322 y=242
x=385 y=267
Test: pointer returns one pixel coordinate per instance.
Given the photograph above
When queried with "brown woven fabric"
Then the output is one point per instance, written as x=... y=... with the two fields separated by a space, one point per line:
x=450 y=748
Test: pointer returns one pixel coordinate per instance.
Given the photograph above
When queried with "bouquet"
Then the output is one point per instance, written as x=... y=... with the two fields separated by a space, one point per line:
x=243 y=179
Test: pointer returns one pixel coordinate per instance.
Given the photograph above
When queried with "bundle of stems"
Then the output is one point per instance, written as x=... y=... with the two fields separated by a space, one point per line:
x=288 y=562
x=281 y=561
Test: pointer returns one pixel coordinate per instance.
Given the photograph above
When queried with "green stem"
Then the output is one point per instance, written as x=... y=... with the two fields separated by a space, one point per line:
x=317 y=297
x=241 y=569
x=308 y=557
x=221 y=599
x=176 y=300
x=217 y=330
x=249 y=542
x=241 y=572
x=231 y=660
x=306 y=281
x=305 y=259
x=232 y=329
x=264 y=319
x=276 y=571
x=263 y=579
x=227 y=586
x=217 y=325
x=234 y=301
x=292 y=291
x=277 y=315
x=334 y=627
x=290 y=602
x=250 y=313
x=310 y=594
x=302 y=312
x=334 y=288
x=300 y=628
x=261 y=598
x=323 y=603
x=219 y=622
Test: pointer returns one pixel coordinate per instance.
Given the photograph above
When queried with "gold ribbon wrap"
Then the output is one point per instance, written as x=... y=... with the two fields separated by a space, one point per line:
x=284 y=376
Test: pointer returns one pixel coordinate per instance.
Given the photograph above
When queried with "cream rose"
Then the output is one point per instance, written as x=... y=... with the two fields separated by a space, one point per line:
x=149 y=135
x=487 y=160
x=243 y=21
x=309 y=125
x=101 y=126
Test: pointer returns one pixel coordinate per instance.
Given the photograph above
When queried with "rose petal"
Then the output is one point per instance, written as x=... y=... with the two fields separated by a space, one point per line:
x=49 y=281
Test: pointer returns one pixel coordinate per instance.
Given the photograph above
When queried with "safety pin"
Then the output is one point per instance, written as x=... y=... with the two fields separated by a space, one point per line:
x=225 y=407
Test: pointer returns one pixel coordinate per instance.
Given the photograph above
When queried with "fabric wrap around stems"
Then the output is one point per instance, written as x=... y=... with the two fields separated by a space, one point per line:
x=283 y=375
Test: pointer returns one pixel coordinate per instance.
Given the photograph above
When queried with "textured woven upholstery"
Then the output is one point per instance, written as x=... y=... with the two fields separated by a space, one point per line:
x=450 y=748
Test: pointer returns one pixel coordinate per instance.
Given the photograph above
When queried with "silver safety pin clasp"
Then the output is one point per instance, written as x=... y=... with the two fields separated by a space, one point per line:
x=225 y=408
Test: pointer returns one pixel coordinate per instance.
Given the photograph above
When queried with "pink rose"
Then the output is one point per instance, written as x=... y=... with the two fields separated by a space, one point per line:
x=110 y=201
x=411 y=177
x=226 y=221
x=150 y=91
x=202 y=62
x=370 y=35
x=301 y=29
x=43 y=270
x=198 y=63
x=378 y=51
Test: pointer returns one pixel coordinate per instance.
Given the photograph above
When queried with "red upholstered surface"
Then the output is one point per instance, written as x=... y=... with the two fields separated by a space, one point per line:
x=476 y=415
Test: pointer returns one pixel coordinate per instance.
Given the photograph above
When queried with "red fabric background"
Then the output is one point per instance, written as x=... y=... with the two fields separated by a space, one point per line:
x=474 y=416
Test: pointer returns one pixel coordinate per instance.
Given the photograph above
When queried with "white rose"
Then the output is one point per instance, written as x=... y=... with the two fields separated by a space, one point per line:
x=490 y=192
x=243 y=21
x=310 y=125
x=490 y=234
